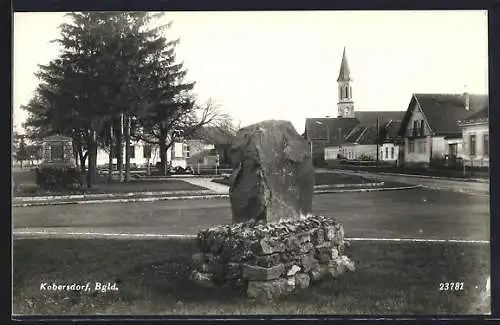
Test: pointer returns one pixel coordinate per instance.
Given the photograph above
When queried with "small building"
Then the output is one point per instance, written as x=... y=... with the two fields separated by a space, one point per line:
x=58 y=151
x=430 y=125
x=476 y=140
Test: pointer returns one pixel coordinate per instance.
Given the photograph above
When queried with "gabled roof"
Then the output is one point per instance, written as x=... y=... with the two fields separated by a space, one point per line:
x=213 y=135
x=443 y=111
x=481 y=116
x=370 y=117
x=344 y=73
x=316 y=131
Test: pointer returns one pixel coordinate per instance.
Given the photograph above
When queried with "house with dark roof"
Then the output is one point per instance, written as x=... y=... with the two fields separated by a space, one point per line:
x=476 y=139
x=351 y=134
x=430 y=126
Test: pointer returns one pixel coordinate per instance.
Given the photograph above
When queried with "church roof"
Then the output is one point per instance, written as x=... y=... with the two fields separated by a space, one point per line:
x=370 y=117
x=344 y=74
x=318 y=128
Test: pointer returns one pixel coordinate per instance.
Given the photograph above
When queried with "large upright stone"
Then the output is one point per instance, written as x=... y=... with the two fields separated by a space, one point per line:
x=273 y=177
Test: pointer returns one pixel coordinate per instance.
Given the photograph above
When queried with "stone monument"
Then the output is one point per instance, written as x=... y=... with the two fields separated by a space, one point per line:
x=273 y=175
x=274 y=246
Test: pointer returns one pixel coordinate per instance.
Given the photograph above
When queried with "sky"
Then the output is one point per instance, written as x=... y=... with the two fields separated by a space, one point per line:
x=284 y=65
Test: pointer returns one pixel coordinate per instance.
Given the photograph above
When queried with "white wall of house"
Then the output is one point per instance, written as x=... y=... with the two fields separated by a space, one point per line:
x=177 y=159
x=388 y=152
x=331 y=153
x=479 y=155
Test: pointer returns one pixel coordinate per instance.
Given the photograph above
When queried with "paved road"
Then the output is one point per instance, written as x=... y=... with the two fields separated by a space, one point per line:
x=432 y=183
x=418 y=213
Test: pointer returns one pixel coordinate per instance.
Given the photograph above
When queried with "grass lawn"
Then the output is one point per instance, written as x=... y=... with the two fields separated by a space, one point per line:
x=152 y=277
x=102 y=186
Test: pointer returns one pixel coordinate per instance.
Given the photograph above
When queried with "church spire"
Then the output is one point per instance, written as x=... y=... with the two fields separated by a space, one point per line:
x=344 y=74
x=345 y=105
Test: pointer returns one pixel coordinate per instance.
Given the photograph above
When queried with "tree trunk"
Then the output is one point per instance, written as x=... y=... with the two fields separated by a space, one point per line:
x=163 y=156
x=83 y=158
x=111 y=152
x=119 y=161
x=127 y=149
x=92 y=154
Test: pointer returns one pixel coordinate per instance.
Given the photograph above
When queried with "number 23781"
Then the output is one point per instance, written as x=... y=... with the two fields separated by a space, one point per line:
x=451 y=286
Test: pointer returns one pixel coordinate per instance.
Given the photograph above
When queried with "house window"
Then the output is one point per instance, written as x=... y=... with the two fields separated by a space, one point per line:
x=146 y=151
x=415 y=127
x=392 y=153
x=131 y=151
x=411 y=146
x=422 y=128
x=188 y=154
x=57 y=152
x=486 y=144
x=472 y=150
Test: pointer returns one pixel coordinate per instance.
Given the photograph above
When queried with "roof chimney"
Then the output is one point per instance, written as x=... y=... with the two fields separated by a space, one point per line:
x=466 y=99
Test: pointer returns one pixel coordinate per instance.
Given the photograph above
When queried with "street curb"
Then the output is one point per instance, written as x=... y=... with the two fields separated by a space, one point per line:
x=374 y=173
x=326 y=186
x=462 y=191
x=131 y=200
x=198 y=197
x=370 y=189
x=24 y=199
x=106 y=195
x=477 y=180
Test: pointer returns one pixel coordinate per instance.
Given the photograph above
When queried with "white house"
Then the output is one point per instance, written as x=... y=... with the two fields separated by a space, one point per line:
x=430 y=126
x=476 y=139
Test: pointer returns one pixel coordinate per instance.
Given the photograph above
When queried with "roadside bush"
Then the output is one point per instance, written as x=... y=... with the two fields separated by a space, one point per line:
x=55 y=177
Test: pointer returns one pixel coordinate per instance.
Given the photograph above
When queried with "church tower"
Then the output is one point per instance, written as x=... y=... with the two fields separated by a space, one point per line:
x=345 y=104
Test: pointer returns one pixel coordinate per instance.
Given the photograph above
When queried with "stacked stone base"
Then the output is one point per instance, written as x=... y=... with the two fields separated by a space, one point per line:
x=271 y=260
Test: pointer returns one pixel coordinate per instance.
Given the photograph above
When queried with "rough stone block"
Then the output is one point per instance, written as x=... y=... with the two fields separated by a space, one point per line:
x=329 y=232
x=339 y=236
x=304 y=237
x=293 y=270
x=302 y=281
x=253 y=272
x=233 y=270
x=306 y=248
x=268 y=260
x=319 y=273
x=269 y=289
x=318 y=236
x=326 y=253
x=307 y=262
x=273 y=174
x=267 y=246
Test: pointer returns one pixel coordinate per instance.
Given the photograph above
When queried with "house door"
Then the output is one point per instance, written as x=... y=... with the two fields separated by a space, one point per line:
x=452 y=151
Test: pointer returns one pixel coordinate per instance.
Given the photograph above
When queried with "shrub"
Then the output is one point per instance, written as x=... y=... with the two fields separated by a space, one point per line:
x=55 y=177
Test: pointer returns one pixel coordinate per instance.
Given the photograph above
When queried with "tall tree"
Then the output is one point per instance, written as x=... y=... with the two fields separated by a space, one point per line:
x=172 y=111
x=98 y=76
